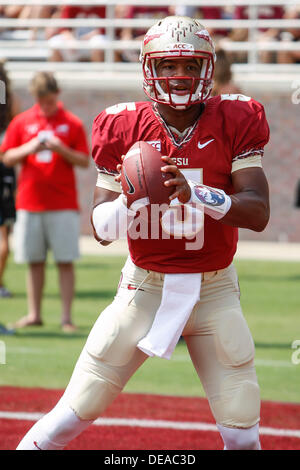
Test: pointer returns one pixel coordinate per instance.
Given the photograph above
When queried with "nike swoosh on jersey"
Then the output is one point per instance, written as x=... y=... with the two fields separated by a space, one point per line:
x=201 y=146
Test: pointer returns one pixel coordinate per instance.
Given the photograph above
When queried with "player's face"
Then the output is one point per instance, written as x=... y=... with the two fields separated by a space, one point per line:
x=182 y=72
x=48 y=104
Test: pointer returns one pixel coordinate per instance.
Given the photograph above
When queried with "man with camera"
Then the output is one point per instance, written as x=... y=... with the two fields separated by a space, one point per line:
x=48 y=141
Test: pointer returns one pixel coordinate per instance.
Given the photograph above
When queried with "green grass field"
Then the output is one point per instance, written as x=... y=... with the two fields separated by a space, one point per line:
x=45 y=356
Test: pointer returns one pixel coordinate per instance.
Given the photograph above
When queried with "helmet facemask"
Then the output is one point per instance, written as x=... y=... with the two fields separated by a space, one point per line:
x=200 y=88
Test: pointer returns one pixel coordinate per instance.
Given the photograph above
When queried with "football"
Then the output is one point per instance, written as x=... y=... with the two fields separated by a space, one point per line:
x=141 y=175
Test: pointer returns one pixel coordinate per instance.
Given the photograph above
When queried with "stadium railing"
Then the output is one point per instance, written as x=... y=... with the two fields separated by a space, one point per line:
x=24 y=56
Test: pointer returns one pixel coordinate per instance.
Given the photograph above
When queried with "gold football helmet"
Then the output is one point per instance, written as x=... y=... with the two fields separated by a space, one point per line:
x=177 y=37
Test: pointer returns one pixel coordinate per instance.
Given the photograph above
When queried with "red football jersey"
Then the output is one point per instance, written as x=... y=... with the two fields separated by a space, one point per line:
x=141 y=12
x=231 y=127
x=264 y=12
x=46 y=181
x=83 y=11
x=69 y=12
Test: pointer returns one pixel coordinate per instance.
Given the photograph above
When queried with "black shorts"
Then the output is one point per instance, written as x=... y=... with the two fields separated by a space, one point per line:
x=7 y=212
x=7 y=192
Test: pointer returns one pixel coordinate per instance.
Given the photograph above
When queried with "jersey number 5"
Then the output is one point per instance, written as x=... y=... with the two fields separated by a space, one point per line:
x=117 y=108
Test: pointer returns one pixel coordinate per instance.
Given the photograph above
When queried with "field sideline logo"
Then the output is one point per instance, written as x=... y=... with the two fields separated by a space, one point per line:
x=2 y=352
x=296 y=94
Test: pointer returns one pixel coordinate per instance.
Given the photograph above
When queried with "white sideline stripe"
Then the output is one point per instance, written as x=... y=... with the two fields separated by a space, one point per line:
x=275 y=251
x=175 y=358
x=151 y=423
x=258 y=362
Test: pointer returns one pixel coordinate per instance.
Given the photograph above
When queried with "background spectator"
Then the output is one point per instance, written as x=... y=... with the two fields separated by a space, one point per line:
x=223 y=82
x=128 y=34
x=43 y=12
x=291 y=34
x=48 y=141
x=95 y=36
x=13 y=11
x=264 y=12
x=206 y=13
x=8 y=110
x=28 y=12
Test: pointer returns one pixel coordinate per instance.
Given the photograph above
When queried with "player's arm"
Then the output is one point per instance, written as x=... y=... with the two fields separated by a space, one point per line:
x=101 y=195
x=250 y=206
x=111 y=217
x=247 y=208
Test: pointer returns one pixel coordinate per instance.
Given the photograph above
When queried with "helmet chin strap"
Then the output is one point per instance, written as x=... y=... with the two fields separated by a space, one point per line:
x=179 y=102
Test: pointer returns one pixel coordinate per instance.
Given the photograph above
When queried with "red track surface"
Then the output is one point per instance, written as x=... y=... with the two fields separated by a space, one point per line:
x=153 y=407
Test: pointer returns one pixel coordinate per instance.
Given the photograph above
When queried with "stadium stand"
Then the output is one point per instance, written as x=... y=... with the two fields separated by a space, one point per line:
x=25 y=30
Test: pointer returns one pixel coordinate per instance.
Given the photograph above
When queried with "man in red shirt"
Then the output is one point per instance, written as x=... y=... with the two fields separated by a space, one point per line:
x=181 y=281
x=48 y=141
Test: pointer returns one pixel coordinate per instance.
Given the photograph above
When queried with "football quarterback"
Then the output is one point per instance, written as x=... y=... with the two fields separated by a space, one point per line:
x=176 y=281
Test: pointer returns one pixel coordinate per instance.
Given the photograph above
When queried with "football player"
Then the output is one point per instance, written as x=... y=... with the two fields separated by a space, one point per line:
x=214 y=148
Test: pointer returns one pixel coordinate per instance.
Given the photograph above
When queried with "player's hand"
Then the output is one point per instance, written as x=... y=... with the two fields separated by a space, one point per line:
x=182 y=189
x=118 y=180
x=118 y=177
x=119 y=169
x=136 y=205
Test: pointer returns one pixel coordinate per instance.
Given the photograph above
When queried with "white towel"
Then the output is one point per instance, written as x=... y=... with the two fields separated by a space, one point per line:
x=180 y=294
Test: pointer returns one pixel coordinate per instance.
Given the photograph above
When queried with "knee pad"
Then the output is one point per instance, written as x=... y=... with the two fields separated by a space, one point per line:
x=238 y=403
x=240 y=439
x=110 y=355
x=96 y=386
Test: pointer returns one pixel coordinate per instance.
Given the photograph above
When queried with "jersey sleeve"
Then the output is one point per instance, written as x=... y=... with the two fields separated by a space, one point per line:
x=108 y=137
x=108 y=182
x=251 y=134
